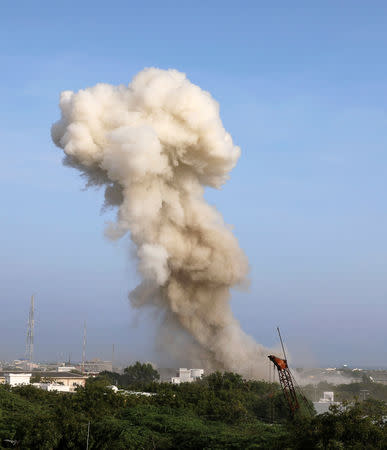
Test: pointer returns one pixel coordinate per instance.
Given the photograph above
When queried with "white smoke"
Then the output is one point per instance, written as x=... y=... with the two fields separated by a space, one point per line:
x=155 y=144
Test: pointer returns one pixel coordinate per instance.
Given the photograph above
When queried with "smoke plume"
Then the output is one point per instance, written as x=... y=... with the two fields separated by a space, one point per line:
x=155 y=145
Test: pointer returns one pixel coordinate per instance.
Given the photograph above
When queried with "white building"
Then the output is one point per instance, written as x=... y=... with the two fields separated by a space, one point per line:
x=187 y=375
x=52 y=387
x=328 y=399
x=66 y=368
x=17 y=379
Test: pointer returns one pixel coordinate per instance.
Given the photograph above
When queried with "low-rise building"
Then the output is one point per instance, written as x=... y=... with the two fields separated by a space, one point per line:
x=72 y=380
x=17 y=379
x=52 y=387
x=96 y=366
x=187 y=375
x=322 y=406
x=66 y=368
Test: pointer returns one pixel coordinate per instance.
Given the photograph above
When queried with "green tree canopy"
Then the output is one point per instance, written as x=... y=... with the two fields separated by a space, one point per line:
x=140 y=373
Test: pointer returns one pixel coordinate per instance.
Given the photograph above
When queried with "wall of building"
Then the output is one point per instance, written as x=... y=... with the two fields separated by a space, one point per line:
x=16 y=379
x=187 y=375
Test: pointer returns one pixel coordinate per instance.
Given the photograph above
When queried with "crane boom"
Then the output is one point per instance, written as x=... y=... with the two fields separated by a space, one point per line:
x=286 y=382
x=285 y=379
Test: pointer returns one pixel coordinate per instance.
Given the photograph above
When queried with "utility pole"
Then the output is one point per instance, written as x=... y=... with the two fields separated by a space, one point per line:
x=113 y=358
x=30 y=335
x=364 y=393
x=84 y=347
x=88 y=436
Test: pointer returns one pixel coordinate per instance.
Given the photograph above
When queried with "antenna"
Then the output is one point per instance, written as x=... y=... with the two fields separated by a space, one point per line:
x=113 y=358
x=282 y=344
x=30 y=334
x=84 y=346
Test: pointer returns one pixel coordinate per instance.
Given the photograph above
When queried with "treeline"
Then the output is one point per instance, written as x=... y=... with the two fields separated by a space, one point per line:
x=136 y=375
x=220 y=411
x=362 y=390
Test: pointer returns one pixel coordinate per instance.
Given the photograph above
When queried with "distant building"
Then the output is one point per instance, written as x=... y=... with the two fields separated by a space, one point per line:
x=73 y=380
x=66 y=368
x=52 y=387
x=21 y=364
x=328 y=397
x=97 y=366
x=322 y=406
x=56 y=380
x=16 y=379
x=187 y=375
x=379 y=378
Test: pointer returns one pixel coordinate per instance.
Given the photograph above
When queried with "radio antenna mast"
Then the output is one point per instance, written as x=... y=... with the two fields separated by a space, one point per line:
x=30 y=334
x=84 y=347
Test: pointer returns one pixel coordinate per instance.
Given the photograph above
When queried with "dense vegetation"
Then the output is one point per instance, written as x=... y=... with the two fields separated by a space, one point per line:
x=363 y=389
x=136 y=375
x=220 y=411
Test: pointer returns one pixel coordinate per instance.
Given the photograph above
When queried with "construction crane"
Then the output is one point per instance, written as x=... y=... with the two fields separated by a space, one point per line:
x=287 y=381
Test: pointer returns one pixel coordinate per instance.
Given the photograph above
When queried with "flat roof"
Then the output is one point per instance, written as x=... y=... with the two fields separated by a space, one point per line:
x=48 y=374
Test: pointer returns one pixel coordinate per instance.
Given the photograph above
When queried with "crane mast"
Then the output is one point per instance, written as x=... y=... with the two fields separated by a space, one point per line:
x=285 y=379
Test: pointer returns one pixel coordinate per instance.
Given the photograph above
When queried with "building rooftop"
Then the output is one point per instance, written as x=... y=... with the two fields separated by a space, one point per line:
x=49 y=374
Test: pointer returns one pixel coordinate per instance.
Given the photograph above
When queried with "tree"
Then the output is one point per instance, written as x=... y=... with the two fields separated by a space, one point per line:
x=35 y=379
x=140 y=373
x=349 y=426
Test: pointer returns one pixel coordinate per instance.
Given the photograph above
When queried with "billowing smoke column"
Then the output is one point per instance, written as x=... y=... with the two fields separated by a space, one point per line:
x=155 y=145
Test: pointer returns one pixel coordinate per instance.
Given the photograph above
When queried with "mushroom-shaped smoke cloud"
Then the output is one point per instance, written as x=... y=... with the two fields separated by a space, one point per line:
x=155 y=144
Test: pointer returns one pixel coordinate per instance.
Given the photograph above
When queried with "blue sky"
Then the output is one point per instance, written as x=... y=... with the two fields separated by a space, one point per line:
x=302 y=89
